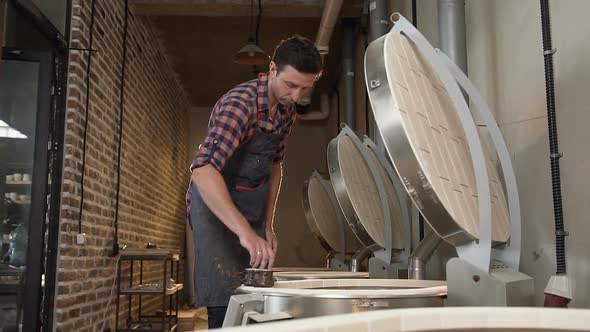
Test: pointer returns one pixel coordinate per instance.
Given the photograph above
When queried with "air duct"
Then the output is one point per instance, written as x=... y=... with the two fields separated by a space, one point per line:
x=348 y=48
x=378 y=26
x=378 y=23
x=451 y=31
x=421 y=255
x=330 y=15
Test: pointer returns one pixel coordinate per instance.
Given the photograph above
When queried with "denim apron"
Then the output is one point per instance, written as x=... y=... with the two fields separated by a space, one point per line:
x=219 y=258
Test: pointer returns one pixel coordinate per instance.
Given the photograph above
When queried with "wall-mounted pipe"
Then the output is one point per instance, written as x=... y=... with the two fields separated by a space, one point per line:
x=321 y=114
x=378 y=21
x=421 y=255
x=451 y=31
x=348 y=48
x=330 y=15
x=378 y=26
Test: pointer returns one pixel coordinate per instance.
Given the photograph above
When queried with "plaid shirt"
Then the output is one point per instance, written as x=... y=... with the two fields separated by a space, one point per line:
x=233 y=123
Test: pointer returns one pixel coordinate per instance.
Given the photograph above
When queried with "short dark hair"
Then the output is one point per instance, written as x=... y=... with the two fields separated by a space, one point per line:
x=300 y=53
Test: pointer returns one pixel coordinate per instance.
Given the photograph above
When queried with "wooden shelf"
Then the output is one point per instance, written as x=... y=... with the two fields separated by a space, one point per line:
x=151 y=291
x=150 y=254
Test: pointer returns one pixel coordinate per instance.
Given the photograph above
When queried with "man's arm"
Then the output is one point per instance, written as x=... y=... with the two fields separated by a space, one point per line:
x=276 y=175
x=213 y=190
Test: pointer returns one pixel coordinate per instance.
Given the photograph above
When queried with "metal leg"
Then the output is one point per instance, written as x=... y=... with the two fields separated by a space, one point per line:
x=130 y=297
x=164 y=297
x=177 y=276
x=118 y=267
x=170 y=308
x=140 y=283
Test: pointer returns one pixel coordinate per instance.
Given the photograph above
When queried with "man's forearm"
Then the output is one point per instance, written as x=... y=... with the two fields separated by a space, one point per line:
x=276 y=175
x=213 y=190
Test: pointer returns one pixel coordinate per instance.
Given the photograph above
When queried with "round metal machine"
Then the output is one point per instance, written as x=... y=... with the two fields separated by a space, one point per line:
x=434 y=148
x=325 y=218
x=327 y=223
x=431 y=138
x=371 y=205
x=311 y=298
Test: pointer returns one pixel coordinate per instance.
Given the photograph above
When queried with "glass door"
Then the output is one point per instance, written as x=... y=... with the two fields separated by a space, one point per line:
x=25 y=105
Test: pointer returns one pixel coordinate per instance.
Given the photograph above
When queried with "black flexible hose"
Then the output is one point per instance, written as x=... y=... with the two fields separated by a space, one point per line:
x=560 y=233
x=121 y=112
x=421 y=233
x=85 y=139
x=414 y=14
x=258 y=20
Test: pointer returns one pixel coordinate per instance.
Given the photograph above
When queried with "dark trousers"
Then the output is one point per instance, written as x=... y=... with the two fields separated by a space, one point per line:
x=215 y=316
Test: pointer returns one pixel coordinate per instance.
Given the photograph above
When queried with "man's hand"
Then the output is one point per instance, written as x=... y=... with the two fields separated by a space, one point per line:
x=261 y=254
x=271 y=238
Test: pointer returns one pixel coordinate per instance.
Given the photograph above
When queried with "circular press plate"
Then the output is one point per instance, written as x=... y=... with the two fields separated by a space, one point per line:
x=425 y=140
x=304 y=275
x=353 y=288
x=364 y=192
x=325 y=218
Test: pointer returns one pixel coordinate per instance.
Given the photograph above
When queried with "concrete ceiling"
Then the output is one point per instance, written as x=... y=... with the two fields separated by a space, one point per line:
x=202 y=36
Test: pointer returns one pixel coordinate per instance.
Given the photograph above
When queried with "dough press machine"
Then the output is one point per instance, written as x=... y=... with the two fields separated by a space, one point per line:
x=326 y=222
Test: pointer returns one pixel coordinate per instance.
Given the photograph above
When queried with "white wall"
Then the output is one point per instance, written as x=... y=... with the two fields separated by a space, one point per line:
x=505 y=61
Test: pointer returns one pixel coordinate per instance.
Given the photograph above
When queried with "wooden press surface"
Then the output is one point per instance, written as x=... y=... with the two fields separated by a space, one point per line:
x=292 y=275
x=438 y=140
x=393 y=203
x=354 y=288
x=329 y=218
x=361 y=189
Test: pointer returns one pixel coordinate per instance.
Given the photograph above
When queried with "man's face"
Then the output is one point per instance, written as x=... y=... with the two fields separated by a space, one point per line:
x=289 y=85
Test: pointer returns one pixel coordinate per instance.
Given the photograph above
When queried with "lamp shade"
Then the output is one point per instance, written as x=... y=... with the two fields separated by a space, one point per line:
x=251 y=54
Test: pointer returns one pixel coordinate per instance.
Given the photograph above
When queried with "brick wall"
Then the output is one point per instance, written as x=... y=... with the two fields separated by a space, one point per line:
x=154 y=160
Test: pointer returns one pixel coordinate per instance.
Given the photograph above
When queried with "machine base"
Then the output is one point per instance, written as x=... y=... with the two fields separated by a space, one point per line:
x=502 y=286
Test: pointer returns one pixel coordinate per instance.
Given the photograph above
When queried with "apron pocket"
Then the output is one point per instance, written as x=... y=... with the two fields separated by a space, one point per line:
x=251 y=201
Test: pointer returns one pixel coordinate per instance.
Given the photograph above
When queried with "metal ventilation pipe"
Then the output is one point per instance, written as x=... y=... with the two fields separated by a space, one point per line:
x=378 y=21
x=421 y=255
x=348 y=48
x=451 y=31
x=358 y=257
x=378 y=26
x=330 y=15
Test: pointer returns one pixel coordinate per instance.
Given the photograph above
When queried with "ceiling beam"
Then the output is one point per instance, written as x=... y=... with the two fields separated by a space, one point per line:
x=180 y=8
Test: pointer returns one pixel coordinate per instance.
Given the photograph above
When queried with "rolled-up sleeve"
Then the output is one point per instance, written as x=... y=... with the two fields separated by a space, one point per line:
x=227 y=126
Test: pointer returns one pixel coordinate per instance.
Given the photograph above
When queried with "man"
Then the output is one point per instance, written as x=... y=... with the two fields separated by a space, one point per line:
x=237 y=173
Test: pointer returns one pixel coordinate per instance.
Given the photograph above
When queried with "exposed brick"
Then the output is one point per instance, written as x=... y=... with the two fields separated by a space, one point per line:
x=153 y=161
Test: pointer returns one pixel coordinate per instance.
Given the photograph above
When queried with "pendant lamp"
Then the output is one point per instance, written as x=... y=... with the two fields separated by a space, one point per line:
x=251 y=53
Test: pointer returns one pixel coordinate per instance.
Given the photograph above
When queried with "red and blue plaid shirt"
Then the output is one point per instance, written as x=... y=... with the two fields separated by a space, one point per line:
x=233 y=122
